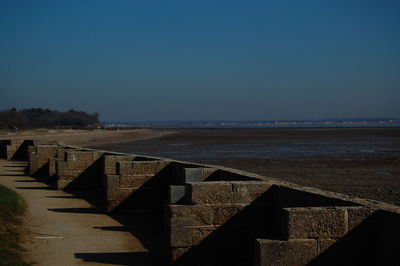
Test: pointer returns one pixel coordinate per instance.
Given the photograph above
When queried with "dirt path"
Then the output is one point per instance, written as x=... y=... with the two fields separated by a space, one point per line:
x=66 y=230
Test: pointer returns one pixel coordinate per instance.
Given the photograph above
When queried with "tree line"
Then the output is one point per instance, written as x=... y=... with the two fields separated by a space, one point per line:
x=45 y=118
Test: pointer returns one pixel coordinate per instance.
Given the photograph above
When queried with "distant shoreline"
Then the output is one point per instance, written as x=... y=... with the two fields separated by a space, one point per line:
x=178 y=125
x=86 y=138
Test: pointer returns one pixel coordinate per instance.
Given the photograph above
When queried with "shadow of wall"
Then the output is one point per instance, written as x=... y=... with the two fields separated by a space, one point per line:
x=225 y=234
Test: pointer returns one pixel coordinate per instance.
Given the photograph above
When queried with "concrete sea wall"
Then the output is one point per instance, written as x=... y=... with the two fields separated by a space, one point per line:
x=212 y=215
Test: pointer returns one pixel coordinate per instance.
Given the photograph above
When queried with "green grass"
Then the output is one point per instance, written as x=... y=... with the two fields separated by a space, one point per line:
x=12 y=208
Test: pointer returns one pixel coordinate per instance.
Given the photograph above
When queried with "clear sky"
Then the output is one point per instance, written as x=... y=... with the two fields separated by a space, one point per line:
x=196 y=60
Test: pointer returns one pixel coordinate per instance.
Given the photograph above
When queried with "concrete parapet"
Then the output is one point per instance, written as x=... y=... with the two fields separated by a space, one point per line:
x=296 y=252
x=15 y=149
x=223 y=192
x=220 y=216
x=38 y=159
x=314 y=222
x=137 y=185
x=79 y=170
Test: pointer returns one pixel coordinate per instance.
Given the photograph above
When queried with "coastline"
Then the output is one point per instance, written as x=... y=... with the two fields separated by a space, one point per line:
x=87 y=138
x=362 y=162
x=272 y=152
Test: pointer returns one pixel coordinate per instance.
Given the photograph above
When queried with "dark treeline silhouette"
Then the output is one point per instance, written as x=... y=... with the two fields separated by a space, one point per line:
x=45 y=118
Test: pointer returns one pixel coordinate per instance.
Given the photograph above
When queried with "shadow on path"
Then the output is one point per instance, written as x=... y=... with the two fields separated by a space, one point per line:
x=34 y=188
x=117 y=258
x=77 y=210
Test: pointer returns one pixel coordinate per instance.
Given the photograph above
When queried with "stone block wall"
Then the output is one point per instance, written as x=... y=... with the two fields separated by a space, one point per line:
x=38 y=159
x=219 y=216
x=317 y=235
x=79 y=170
x=217 y=224
x=15 y=149
x=137 y=185
x=201 y=227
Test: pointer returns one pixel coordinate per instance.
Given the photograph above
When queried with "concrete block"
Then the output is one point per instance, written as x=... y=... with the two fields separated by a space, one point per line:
x=176 y=194
x=294 y=252
x=181 y=237
x=356 y=215
x=110 y=162
x=223 y=213
x=246 y=192
x=325 y=243
x=52 y=167
x=89 y=156
x=34 y=166
x=134 y=181
x=189 y=215
x=193 y=174
x=140 y=167
x=112 y=204
x=207 y=172
x=70 y=156
x=200 y=233
x=111 y=181
x=210 y=192
x=120 y=194
x=62 y=184
x=314 y=222
x=176 y=253
x=68 y=175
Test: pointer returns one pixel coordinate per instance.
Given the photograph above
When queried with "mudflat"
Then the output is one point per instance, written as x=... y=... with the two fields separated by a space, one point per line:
x=360 y=161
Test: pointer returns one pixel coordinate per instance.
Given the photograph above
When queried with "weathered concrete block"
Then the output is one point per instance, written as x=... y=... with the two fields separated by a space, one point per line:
x=176 y=194
x=223 y=213
x=193 y=174
x=34 y=166
x=119 y=194
x=134 y=181
x=38 y=157
x=356 y=215
x=111 y=181
x=62 y=184
x=293 y=252
x=210 y=192
x=176 y=253
x=246 y=192
x=110 y=162
x=82 y=156
x=89 y=156
x=189 y=215
x=52 y=166
x=314 y=222
x=140 y=167
x=325 y=243
x=181 y=237
x=112 y=204
x=200 y=233
x=11 y=151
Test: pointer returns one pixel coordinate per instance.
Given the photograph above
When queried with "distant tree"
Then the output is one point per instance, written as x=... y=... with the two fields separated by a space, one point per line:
x=39 y=117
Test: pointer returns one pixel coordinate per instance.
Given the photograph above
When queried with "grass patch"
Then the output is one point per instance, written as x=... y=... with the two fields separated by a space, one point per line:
x=12 y=208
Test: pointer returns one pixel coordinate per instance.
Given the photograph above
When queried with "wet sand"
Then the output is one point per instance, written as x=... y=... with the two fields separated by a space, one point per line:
x=363 y=162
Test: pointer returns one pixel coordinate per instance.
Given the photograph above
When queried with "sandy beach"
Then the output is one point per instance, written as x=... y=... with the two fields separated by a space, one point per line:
x=86 y=138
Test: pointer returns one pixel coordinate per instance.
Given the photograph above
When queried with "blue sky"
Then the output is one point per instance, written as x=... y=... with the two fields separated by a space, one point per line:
x=196 y=60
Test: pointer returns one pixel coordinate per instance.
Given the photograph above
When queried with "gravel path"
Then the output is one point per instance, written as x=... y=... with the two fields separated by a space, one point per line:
x=63 y=229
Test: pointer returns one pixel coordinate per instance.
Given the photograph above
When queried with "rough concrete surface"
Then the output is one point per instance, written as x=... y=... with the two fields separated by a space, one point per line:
x=65 y=230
